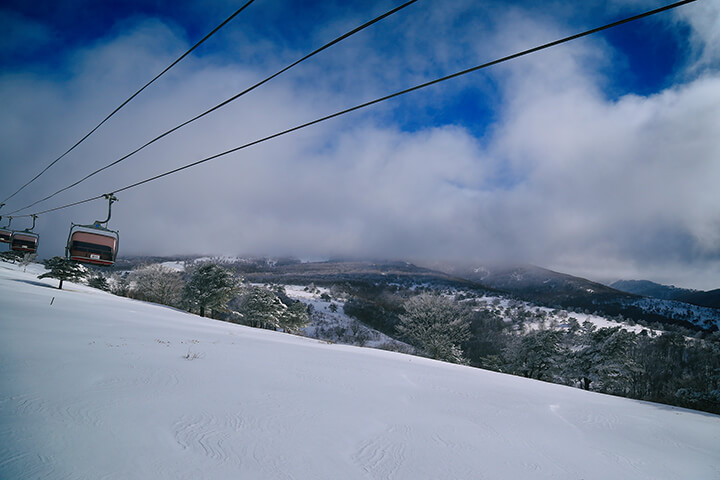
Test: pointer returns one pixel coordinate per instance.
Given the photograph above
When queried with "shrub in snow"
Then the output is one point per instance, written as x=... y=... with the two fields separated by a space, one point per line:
x=11 y=256
x=27 y=259
x=100 y=282
x=120 y=284
x=190 y=355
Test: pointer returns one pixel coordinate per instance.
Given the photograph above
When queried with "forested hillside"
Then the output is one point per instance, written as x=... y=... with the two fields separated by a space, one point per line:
x=398 y=306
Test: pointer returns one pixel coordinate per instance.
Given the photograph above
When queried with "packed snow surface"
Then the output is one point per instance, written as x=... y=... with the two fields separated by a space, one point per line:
x=96 y=386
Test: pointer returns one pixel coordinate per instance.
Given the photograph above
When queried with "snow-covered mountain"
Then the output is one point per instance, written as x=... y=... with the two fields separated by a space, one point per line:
x=98 y=386
x=670 y=292
x=549 y=288
x=533 y=284
x=647 y=288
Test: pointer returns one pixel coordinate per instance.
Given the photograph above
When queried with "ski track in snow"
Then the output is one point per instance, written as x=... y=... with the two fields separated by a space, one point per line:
x=210 y=436
x=82 y=408
x=599 y=421
x=382 y=456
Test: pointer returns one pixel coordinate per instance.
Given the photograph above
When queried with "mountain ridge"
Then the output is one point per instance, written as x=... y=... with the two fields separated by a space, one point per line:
x=526 y=282
x=703 y=298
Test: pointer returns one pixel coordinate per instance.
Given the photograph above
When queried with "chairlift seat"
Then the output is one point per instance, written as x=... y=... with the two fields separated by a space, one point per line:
x=5 y=235
x=97 y=248
x=24 y=242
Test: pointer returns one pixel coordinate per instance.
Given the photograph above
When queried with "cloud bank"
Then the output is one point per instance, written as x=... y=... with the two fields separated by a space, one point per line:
x=560 y=173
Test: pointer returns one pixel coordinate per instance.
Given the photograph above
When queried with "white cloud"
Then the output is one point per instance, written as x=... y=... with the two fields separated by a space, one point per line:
x=599 y=181
x=704 y=21
x=564 y=178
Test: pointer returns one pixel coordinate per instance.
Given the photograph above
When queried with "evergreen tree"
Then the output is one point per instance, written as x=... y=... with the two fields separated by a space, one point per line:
x=665 y=362
x=259 y=307
x=63 y=269
x=210 y=287
x=436 y=324
x=580 y=365
x=295 y=317
x=100 y=282
x=604 y=358
x=535 y=354
x=701 y=381
x=618 y=366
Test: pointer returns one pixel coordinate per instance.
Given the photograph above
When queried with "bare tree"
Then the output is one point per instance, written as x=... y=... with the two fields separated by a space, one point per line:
x=158 y=283
x=436 y=324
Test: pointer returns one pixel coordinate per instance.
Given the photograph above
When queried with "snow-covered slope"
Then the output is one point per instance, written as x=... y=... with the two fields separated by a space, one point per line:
x=96 y=386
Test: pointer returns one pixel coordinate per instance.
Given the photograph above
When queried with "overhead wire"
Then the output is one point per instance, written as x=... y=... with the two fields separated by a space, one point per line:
x=380 y=99
x=226 y=102
x=213 y=32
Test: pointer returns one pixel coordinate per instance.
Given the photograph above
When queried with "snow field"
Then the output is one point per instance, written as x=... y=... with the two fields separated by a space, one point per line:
x=97 y=386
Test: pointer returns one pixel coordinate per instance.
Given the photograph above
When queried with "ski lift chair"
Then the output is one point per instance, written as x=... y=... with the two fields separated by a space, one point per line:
x=25 y=241
x=5 y=232
x=94 y=244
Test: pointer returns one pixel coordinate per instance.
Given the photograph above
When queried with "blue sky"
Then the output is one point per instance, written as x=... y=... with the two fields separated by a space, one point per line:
x=597 y=158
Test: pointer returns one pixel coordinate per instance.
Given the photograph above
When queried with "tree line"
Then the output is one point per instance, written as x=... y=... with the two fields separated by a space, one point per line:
x=664 y=367
x=672 y=367
x=207 y=289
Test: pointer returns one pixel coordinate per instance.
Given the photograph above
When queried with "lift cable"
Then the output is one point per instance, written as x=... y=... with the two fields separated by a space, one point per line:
x=215 y=30
x=231 y=99
x=378 y=100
